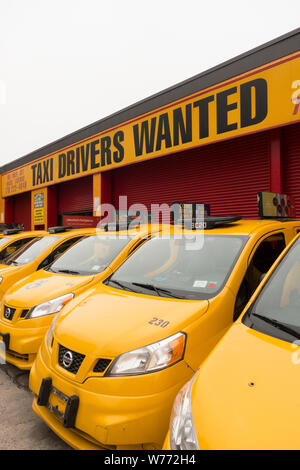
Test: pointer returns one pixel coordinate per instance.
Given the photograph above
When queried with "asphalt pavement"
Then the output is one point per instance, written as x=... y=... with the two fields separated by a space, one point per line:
x=20 y=428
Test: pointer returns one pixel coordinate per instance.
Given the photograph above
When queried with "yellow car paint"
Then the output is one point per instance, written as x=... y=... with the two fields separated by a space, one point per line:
x=26 y=334
x=132 y=412
x=245 y=395
x=11 y=274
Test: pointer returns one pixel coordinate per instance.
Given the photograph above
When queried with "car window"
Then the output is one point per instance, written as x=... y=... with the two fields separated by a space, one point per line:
x=3 y=240
x=279 y=301
x=32 y=250
x=264 y=256
x=90 y=255
x=13 y=247
x=57 y=252
x=194 y=269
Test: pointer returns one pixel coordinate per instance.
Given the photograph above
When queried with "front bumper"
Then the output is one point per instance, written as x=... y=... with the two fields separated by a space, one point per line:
x=110 y=420
x=24 y=344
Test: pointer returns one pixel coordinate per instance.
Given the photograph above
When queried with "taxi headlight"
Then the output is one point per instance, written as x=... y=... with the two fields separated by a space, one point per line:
x=182 y=430
x=151 y=358
x=1 y=279
x=51 y=306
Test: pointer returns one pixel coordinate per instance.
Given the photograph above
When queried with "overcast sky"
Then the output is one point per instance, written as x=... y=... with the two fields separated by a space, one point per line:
x=68 y=63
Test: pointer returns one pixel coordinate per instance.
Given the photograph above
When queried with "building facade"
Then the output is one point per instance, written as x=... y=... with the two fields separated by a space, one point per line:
x=217 y=138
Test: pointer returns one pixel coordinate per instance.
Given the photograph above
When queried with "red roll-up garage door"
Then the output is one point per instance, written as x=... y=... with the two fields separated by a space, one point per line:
x=226 y=175
x=21 y=209
x=76 y=196
x=291 y=163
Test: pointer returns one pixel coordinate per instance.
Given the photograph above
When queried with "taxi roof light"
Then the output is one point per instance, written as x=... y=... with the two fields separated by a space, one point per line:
x=275 y=205
x=12 y=231
x=5 y=226
x=59 y=229
x=208 y=222
x=116 y=227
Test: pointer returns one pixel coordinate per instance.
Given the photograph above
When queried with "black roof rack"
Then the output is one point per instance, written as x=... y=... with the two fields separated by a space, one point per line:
x=12 y=231
x=208 y=222
x=59 y=229
x=118 y=226
x=5 y=226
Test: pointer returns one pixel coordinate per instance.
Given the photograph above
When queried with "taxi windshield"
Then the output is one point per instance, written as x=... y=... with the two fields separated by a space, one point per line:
x=32 y=250
x=90 y=255
x=195 y=268
x=276 y=310
x=3 y=240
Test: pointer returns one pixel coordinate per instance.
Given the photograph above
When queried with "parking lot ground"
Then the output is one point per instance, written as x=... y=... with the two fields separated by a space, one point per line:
x=20 y=428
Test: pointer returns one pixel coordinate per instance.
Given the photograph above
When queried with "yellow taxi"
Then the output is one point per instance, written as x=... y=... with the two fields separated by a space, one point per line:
x=28 y=307
x=246 y=393
x=12 y=240
x=112 y=362
x=43 y=248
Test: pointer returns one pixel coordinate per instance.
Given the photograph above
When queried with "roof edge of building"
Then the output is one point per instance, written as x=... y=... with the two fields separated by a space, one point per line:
x=272 y=50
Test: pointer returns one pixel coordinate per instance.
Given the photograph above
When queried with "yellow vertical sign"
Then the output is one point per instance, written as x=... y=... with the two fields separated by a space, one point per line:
x=39 y=207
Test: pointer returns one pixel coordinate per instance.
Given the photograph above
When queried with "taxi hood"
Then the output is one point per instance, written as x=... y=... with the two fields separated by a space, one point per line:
x=113 y=321
x=41 y=286
x=246 y=394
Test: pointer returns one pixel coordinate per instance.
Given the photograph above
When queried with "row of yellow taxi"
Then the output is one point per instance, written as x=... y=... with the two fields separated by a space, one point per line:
x=116 y=325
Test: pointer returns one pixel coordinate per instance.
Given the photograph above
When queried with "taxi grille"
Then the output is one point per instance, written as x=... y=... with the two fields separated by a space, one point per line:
x=101 y=365
x=70 y=362
x=9 y=312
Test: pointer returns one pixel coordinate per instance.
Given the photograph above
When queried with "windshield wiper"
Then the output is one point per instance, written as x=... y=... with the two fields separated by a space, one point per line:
x=277 y=324
x=14 y=263
x=67 y=271
x=120 y=284
x=158 y=290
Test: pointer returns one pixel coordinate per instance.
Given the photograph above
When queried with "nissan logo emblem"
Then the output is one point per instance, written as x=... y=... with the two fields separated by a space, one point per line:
x=67 y=359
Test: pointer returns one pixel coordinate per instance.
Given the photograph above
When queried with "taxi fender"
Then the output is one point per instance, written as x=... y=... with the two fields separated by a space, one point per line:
x=209 y=328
